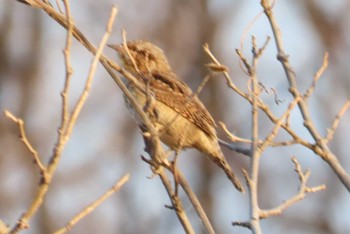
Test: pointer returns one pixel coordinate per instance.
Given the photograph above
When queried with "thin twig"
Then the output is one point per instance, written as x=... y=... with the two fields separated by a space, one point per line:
x=84 y=95
x=88 y=209
x=336 y=121
x=317 y=76
x=125 y=45
x=59 y=6
x=177 y=204
x=262 y=106
x=23 y=137
x=283 y=143
x=270 y=137
x=64 y=133
x=65 y=115
x=226 y=75
x=323 y=150
x=303 y=191
x=233 y=137
x=110 y=67
x=195 y=203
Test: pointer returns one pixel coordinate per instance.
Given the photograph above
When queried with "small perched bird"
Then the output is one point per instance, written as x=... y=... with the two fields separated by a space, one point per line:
x=179 y=116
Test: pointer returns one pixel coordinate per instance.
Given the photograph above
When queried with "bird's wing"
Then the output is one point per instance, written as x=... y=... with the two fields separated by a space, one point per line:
x=174 y=93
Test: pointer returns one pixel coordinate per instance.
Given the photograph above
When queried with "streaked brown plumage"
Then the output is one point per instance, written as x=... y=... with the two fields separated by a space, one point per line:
x=180 y=117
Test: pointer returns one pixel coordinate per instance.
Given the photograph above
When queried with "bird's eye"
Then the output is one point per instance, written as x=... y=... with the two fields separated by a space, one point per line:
x=140 y=51
x=151 y=56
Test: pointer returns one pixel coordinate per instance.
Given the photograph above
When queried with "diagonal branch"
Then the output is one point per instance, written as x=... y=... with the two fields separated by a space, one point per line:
x=336 y=121
x=303 y=191
x=23 y=137
x=262 y=106
x=64 y=133
x=324 y=152
x=87 y=210
x=317 y=76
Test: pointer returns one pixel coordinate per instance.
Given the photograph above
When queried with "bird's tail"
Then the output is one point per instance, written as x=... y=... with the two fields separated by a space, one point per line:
x=223 y=164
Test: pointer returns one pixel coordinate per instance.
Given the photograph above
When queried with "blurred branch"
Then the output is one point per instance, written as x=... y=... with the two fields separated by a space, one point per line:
x=196 y=204
x=253 y=176
x=323 y=150
x=262 y=106
x=3 y=228
x=256 y=153
x=24 y=139
x=69 y=71
x=192 y=197
x=281 y=122
x=66 y=124
x=270 y=137
x=176 y=204
x=225 y=73
x=82 y=99
x=326 y=25
x=317 y=76
x=110 y=66
x=303 y=190
x=336 y=121
x=154 y=149
x=94 y=205
x=259 y=146
x=233 y=137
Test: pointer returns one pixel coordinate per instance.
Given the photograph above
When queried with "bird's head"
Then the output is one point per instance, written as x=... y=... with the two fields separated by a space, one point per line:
x=146 y=56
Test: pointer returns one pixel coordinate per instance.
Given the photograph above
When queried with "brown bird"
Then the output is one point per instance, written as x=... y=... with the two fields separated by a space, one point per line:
x=178 y=115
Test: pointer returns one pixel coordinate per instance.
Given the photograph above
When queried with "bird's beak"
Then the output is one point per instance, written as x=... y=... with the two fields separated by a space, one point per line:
x=117 y=47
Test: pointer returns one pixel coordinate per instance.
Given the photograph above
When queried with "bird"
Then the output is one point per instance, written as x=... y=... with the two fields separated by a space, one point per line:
x=179 y=116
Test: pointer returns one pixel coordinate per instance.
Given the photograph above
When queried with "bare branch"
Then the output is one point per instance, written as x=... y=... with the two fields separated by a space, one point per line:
x=177 y=204
x=264 y=108
x=323 y=150
x=303 y=190
x=63 y=135
x=233 y=137
x=317 y=76
x=65 y=115
x=269 y=138
x=336 y=121
x=244 y=60
x=84 y=95
x=216 y=68
x=256 y=153
x=23 y=137
x=226 y=75
x=87 y=210
x=247 y=152
x=195 y=202
x=60 y=9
